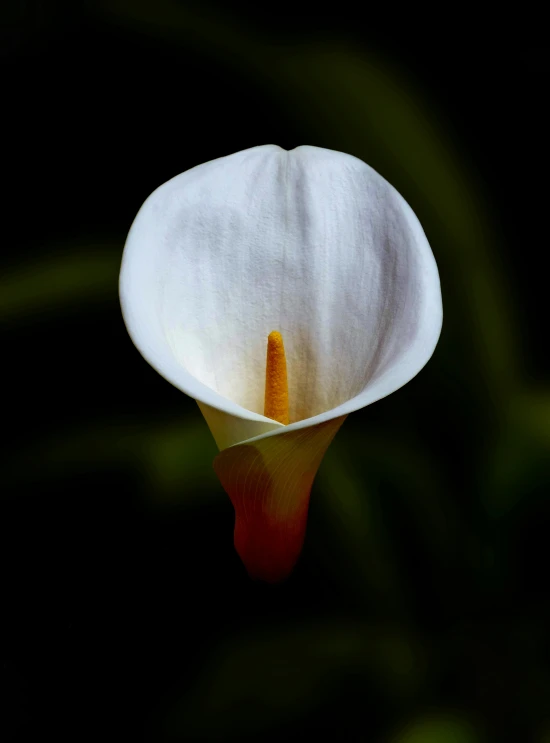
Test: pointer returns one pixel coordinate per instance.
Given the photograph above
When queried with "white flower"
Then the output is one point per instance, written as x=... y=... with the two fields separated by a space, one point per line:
x=309 y=242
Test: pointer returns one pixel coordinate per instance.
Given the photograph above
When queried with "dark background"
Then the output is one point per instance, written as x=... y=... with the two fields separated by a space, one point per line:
x=419 y=610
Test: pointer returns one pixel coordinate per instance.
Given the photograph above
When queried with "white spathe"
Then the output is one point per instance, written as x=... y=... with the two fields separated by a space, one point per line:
x=310 y=242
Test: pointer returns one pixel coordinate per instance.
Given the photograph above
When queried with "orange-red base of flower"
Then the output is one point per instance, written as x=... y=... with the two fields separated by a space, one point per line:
x=269 y=482
x=269 y=550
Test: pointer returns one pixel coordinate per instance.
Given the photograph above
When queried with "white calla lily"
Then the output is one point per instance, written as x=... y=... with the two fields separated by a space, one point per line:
x=309 y=242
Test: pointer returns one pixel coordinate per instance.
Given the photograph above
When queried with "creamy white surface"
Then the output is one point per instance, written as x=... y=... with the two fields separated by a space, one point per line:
x=311 y=242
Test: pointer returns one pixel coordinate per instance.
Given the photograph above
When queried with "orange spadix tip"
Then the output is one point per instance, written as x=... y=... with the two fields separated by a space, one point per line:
x=276 y=382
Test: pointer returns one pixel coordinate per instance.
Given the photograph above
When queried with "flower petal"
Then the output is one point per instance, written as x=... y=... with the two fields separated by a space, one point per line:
x=311 y=242
x=227 y=429
x=269 y=481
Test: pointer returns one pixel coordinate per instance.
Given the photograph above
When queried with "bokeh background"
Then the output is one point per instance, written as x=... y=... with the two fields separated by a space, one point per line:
x=419 y=610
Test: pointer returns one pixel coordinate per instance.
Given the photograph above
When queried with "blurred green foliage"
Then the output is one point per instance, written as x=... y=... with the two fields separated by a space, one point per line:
x=85 y=274
x=263 y=680
x=438 y=730
x=413 y=540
